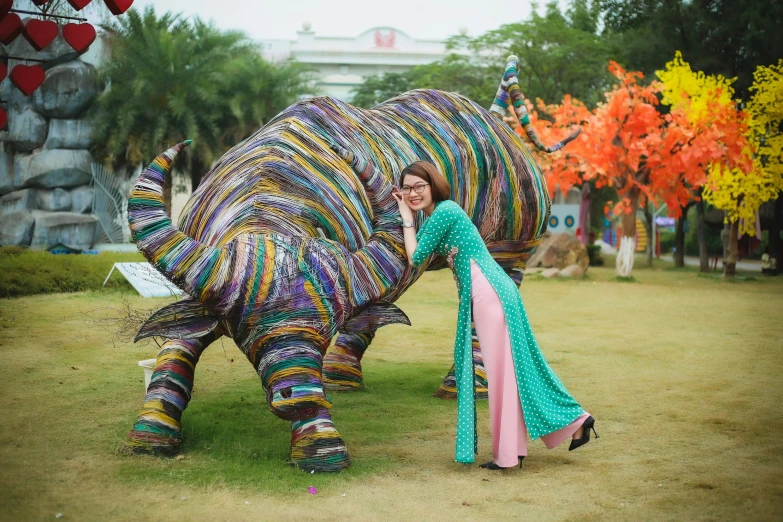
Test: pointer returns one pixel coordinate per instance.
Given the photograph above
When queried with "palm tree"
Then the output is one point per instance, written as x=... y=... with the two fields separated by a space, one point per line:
x=169 y=79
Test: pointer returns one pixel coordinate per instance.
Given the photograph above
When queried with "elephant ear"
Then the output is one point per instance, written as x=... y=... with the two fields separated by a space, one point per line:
x=373 y=317
x=186 y=319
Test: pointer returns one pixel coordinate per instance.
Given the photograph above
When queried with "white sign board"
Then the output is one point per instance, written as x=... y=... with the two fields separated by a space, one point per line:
x=146 y=279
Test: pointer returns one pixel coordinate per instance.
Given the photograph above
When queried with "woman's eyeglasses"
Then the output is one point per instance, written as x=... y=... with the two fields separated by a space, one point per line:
x=418 y=188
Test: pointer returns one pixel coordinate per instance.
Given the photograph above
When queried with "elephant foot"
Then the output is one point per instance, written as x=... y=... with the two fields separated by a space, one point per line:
x=342 y=370
x=158 y=430
x=448 y=388
x=155 y=433
x=317 y=446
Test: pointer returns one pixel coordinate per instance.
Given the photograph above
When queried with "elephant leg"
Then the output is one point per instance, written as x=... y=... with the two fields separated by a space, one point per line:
x=290 y=370
x=317 y=446
x=343 y=363
x=448 y=388
x=158 y=430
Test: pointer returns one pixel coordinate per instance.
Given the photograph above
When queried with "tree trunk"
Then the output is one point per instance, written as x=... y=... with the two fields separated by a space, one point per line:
x=648 y=219
x=627 y=250
x=679 y=240
x=732 y=252
x=775 y=250
x=704 y=262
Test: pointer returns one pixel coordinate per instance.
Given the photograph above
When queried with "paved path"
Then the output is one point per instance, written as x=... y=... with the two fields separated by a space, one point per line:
x=749 y=265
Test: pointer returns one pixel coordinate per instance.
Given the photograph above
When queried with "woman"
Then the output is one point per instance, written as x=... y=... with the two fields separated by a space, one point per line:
x=518 y=376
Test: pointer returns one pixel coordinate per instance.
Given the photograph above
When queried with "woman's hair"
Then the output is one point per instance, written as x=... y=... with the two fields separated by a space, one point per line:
x=440 y=188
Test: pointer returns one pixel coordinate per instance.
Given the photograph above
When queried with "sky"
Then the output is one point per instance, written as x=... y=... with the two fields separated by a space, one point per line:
x=422 y=19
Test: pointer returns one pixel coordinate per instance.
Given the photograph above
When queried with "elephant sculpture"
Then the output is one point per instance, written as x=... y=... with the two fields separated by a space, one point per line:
x=293 y=237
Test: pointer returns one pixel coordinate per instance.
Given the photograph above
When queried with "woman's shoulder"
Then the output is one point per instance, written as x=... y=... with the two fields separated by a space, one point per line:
x=448 y=206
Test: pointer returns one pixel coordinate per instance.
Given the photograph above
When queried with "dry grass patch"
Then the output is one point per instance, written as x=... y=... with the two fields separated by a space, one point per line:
x=682 y=373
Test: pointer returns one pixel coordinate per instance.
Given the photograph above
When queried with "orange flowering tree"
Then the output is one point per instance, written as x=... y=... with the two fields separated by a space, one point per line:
x=629 y=143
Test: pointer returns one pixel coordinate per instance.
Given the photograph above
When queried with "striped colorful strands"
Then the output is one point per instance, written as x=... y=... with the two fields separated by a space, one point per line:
x=286 y=180
x=317 y=446
x=290 y=370
x=158 y=430
x=288 y=240
x=342 y=369
x=509 y=92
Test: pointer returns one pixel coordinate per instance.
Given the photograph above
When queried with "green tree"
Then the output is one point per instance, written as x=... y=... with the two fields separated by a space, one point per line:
x=728 y=37
x=169 y=79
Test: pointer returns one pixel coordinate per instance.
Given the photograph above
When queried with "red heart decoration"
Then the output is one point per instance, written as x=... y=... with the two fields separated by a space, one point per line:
x=10 y=28
x=3 y=118
x=79 y=4
x=3 y=71
x=40 y=2
x=27 y=78
x=5 y=7
x=40 y=33
x=117 y=7
x=79 y=36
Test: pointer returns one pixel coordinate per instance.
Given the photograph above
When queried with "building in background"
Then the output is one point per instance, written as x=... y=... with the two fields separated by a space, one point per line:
x=342 y=63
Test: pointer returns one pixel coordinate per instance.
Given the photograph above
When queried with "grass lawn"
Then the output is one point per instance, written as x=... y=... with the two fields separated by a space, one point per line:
x=683 y=373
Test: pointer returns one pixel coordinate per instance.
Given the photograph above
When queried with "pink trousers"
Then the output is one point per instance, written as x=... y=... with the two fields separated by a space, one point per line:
x=506 y=420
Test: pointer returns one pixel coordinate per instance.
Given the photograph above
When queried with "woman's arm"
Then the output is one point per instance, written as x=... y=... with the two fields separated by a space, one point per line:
x=409 y=233
x=432 y=232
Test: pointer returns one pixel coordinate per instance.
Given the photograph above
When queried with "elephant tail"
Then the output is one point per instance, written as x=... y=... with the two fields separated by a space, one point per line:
x=509 y=92
x=198 y=269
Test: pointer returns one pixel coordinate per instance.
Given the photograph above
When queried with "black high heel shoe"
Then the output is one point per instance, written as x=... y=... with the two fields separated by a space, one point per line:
x=585 y=438
x=491 y=464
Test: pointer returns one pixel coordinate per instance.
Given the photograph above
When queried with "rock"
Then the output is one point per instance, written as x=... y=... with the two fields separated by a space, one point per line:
x=69 y=134
x=53 y=168
x=572 y=271
x=69 y=229
x=18 y=201
x=26 y=129
x=54 y=200
x=550 y=273
x=16 y=229
x=67 y=91
x=81 y=199
x=559 y=251
x=6 y=172
x=17 y=100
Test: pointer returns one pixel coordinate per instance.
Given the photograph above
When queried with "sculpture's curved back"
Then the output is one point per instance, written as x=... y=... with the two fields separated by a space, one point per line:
x=283 y=179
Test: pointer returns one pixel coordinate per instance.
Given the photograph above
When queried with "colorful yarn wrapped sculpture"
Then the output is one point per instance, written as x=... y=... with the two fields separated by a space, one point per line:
x=293 y=236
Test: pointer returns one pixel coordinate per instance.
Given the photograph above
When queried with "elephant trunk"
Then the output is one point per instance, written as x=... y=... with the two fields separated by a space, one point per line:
x=510 y=93
x=198 y=269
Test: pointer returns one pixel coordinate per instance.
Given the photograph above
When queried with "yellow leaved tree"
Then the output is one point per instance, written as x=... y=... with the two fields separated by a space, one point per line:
x=740 y=192
x=719 y=140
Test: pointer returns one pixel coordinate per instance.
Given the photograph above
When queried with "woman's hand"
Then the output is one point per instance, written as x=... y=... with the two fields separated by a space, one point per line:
x=405 y=211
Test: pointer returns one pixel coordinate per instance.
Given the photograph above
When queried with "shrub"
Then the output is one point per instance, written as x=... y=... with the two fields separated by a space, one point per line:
x=594 y=253
x=29 y=272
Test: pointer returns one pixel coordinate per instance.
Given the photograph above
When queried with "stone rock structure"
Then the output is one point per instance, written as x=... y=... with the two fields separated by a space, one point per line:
x=559 y=251
x=45 y=164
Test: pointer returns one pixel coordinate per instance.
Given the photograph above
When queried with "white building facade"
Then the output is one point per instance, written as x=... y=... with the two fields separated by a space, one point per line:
x=342 y=63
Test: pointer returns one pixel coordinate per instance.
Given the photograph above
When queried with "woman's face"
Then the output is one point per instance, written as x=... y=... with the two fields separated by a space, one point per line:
x=417 y=192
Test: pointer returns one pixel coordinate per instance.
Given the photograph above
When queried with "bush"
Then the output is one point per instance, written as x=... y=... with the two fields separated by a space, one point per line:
x=667 y=240
x=594 y=253
x=29 y=272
